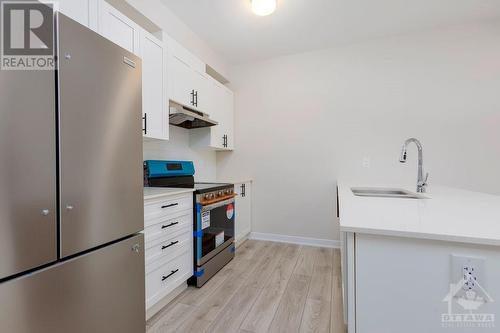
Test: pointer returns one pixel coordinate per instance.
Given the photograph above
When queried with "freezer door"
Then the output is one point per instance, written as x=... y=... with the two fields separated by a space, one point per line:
x=100 y=114
x=99 y=292
x=27 y=170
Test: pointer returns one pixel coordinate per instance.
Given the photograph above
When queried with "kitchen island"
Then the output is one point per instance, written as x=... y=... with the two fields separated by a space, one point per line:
x=404 y=261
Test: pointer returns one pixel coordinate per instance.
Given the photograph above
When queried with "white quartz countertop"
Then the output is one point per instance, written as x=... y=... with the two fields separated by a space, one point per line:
x=448 y=214
x=157 y=192
x=235 y=180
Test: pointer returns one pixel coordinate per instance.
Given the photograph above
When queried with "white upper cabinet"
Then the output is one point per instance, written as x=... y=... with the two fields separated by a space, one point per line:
x=188 y=81
x=227 y=120
x=124 y=32
x=118 y=28
x=202 y=94
x=82 y=11
x=154 y=87
x=221 y=109
x=181 y=82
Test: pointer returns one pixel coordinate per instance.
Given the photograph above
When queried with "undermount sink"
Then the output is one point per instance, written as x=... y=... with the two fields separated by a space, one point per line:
x=385 y=193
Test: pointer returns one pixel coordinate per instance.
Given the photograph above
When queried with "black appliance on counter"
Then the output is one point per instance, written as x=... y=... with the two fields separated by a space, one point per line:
x=214 y=211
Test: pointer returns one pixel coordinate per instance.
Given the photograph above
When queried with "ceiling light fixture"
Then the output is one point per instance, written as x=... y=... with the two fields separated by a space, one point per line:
x=263 y=7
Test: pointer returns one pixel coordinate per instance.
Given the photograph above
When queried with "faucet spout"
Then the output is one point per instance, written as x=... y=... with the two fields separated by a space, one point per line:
x=421 y=182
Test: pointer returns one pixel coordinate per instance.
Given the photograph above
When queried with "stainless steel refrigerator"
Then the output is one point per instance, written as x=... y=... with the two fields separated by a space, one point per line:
x=71 y=197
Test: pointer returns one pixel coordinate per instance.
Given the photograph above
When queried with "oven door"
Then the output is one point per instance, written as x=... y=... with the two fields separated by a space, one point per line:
x=214 y=229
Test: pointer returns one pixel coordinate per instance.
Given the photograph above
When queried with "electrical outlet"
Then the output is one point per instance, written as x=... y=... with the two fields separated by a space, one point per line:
x=469 y=271
x=366 y=162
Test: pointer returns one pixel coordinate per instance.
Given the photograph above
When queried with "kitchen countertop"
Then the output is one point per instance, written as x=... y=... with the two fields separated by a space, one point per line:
x=235 y=180
x=157 y=192
x=448 y=214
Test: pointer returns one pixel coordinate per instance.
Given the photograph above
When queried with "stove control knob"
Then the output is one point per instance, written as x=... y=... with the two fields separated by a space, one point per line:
x=206 y=197
x=220 y=193
x=212 y=195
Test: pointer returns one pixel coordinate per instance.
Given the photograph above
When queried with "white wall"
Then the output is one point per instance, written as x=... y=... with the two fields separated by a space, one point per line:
x=178 y=148
x=306 y=120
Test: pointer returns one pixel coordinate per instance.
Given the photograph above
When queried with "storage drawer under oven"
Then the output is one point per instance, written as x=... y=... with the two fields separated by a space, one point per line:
x=169 y=246
x=168 y=225
x=164 y=277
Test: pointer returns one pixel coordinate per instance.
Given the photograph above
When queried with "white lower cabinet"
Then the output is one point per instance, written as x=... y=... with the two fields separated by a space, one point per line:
x=243 y=217
x=168 y=234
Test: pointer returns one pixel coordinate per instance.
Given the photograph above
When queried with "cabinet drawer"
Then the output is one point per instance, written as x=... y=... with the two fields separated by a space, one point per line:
x=166 y=277
x=168 y=225
x=159 y=208
x=168 y=247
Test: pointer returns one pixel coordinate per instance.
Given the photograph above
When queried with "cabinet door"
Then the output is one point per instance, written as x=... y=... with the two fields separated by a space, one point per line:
x=82 y=11
x=181 y=82
x=118 y=28
x=228 y=108
x=217 y=114
x=201 y=87
x=154 y=101
x=243 y=206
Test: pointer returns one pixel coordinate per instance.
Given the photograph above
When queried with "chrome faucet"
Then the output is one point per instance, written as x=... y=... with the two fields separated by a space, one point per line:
x=421 y=182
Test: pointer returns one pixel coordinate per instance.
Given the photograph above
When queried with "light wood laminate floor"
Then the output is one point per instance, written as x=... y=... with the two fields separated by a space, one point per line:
x=268 y=287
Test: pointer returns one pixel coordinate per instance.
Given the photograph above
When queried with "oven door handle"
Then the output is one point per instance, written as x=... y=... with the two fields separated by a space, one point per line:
x=218 y=204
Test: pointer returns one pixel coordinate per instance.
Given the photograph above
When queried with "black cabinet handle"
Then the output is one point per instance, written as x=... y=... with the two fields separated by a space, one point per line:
x=196 y=98
x=169 y=225
x=169 y=275
x=224 y=141
x=192 y=97
x=243 y=190
x=169 y=245
x=170 y=205
x=145 y=118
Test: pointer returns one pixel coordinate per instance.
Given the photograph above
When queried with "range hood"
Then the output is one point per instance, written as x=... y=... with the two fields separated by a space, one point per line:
x=182 y=116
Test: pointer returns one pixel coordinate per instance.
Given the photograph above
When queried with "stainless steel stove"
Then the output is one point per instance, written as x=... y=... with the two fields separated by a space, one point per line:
x=214 y=211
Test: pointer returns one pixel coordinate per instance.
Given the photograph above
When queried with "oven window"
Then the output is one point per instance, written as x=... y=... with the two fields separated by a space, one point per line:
x=218 y=227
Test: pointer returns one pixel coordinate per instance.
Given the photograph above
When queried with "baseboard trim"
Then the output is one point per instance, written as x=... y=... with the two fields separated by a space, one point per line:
x=330 y=243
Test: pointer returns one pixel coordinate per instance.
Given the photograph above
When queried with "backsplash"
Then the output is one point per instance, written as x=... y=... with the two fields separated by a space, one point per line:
x=178 y=148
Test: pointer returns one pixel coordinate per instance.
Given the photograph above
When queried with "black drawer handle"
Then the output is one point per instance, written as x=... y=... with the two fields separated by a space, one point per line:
x=169 y=275
x=169 y=245
x=170 y=205
x=169 y=225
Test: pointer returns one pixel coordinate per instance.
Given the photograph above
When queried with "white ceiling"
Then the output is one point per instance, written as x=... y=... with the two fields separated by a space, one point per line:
x=238 y=35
